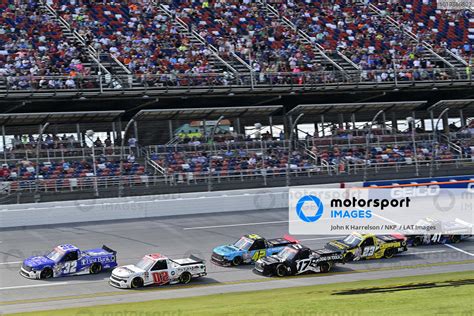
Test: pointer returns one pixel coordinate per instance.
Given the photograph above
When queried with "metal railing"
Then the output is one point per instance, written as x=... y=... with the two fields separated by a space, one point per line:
x=256 y=145
x=263 y=175
x=13 y=156
x=215 y=82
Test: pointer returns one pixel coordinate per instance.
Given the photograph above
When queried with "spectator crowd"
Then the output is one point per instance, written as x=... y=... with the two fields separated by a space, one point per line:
x=155 y=43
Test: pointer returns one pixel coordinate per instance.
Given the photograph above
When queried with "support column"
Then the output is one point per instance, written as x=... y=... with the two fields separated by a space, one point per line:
x=341 y=120
x=445 y=124
x=394 y=124
x=462 y=119
x=79 y=134
x=135 y=129
x=322 y=124
x=4 y=144
x=384 y=123
x=204 y=128
x=290 y=124
x=170 y=129
x=119 y=137
x=270 y=122
x=114 y=133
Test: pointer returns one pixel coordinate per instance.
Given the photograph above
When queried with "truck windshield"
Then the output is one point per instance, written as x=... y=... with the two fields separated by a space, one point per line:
x=352 y=240
x=243 y=243
x=286 y=254
x=145 y=264
x=55 y=255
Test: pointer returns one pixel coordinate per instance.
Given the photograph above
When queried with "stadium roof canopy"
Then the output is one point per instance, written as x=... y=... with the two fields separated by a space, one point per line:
x=208 y=113
x=363 y=111
x=467 y=106
x=22 y=119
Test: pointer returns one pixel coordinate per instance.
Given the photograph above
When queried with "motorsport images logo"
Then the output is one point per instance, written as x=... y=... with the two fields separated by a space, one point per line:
x=309 y=204
x=374 y=210
x=344 y=208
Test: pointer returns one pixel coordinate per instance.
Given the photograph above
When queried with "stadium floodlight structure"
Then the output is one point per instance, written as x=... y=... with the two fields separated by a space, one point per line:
x=90 y=134
x=38 y=146
x=433 y=142
x=213 y=131
x=290 y=149
x=367 y=138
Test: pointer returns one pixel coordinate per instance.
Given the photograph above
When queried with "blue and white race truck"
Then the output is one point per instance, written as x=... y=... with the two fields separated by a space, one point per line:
x=67 y=260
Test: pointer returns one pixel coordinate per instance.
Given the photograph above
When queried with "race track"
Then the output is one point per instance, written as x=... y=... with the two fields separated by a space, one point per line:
x=182 y=236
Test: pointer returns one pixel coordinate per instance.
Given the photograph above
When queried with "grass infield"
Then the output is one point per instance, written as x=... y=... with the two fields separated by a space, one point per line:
x=437 y=294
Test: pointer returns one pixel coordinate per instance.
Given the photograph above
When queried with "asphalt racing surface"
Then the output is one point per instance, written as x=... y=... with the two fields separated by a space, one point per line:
x=178 y=237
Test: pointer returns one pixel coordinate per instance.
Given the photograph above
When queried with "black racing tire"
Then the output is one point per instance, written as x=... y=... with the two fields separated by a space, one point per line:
x=455 y=239
x=46 y=273
x=281 y=270
x=388 y=253
x=324 y=267
x=137 y=283
x=95 y=268
x=416 y=242
x=185 y=278
x=237 y=261
x=348 y=257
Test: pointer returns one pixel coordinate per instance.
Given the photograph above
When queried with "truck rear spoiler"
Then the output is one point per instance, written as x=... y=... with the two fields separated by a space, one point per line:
x=109 y=250
x=460 y=221
x=291 y=239
x=193 y=257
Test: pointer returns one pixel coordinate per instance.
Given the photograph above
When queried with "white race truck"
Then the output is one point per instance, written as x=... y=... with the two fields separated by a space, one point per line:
x=159 y=270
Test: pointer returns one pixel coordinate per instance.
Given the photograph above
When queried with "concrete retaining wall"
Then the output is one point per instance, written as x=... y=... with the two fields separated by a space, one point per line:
x=16 y=215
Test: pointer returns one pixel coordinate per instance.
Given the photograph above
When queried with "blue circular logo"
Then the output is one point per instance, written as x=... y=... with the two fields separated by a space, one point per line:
x=310 y=199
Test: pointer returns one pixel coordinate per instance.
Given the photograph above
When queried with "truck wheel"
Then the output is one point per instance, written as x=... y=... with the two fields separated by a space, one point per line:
x=95 y=268
x=416 y=242
x=136 y=283
x=185 y=278
x=280 y=270
x=348 y=257
x=389 y=253
x=455 y=239
x=324 y=267
x=46 y=273
x=237 y=261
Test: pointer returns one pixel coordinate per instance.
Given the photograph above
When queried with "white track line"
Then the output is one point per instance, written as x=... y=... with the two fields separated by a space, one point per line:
x=460 y=250
x=321 y=238
x=235 y=225
x=30 y=286
x=422 y=252
x=11 y=262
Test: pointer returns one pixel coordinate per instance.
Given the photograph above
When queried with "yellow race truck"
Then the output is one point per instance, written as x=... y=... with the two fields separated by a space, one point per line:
x=368 y=246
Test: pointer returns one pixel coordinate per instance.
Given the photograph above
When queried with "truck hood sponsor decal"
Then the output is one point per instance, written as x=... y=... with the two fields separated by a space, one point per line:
x=271 y=260
x=226 y=250
x=338 y=245
x=127 y=271
x=38 y=262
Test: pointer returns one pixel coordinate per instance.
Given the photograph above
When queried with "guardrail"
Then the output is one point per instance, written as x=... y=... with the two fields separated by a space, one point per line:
x=61 y=154
x=203 y=177
x=219 y=82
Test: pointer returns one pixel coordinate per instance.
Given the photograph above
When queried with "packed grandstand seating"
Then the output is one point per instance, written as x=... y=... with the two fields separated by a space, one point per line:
x=149 y=42
x=66 y=163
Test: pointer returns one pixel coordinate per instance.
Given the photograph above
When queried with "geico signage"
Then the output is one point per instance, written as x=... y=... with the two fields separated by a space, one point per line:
x=431 y=190
x=470 y=187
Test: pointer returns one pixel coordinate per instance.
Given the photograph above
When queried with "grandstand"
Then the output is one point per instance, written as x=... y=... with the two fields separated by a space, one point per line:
x=181 y=94
x=254 y=146
x=89 y=48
